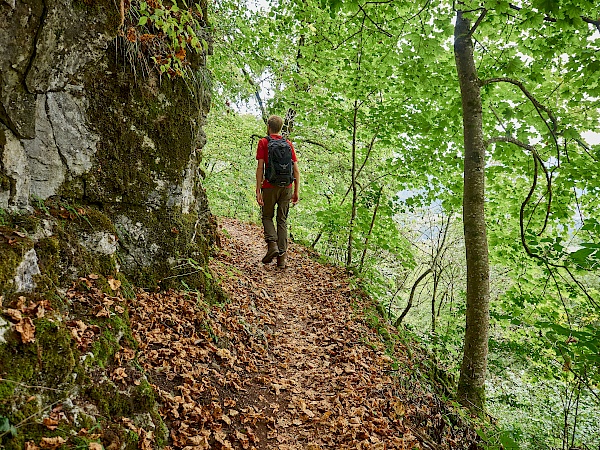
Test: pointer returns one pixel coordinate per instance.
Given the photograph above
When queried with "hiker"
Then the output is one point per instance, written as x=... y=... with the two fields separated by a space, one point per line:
x=274 y=187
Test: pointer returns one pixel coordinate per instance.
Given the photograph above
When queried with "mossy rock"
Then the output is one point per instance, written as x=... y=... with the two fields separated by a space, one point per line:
x=36 y=376
x=13 y=248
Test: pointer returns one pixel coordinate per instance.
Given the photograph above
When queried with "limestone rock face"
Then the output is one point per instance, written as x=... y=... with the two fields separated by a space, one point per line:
x=114 y=152
x=26 y=271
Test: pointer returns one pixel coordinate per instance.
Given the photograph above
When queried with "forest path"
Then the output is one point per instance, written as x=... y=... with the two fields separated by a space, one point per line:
x=326 y=388
x=288 y=363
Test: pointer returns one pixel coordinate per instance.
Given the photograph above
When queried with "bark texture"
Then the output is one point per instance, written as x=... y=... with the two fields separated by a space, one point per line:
x=471 y=391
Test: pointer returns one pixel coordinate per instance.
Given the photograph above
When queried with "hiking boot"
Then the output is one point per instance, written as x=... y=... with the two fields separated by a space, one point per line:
x=272 y=251
x=281 y=261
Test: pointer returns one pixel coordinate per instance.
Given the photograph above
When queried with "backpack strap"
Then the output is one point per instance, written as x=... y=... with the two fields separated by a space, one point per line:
x=269 y=138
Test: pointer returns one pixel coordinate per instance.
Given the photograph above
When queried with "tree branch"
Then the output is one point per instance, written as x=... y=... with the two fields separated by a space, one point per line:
x=477 y=22
x=410 y=298
x=537 y=161
x=263 y=111
x=310 y=141
x=387 y=33
x=528 y=94
x=420 y=11
x=589 y=20
x=538 y=106
x=361 y=167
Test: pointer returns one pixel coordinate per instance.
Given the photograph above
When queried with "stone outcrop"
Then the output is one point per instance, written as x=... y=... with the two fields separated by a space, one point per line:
x=84 y=130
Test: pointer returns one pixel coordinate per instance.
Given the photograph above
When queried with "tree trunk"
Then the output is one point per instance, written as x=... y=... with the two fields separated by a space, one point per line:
x=471 y=389
x=411 y=297
x=436 y=281
x=364 y=254
x=354 y=191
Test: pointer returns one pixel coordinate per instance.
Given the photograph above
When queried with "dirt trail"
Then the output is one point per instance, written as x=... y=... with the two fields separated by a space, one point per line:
x=286 y=364
x=333 y=391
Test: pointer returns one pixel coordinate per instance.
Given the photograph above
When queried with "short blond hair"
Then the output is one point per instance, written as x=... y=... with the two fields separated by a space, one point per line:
x=275 y=124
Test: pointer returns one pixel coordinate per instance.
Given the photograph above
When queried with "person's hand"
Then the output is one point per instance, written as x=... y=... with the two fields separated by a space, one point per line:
x=259 y=198
x=295 y=198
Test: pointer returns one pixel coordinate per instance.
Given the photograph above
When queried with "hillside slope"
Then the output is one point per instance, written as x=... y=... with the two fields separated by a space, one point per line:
x=292 y=359
x=288 y=363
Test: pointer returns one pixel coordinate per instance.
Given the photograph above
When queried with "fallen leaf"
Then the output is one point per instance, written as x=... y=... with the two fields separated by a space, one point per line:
x=52 y=442
x=93 y=276
x=114 y=284
x=26 y=329
x=51 y=424
x=95 y=446
x=326 y=416
x=31 y=446
x=14 y=314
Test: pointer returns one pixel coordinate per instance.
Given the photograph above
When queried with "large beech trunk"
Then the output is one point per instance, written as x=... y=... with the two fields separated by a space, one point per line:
x=473 y=369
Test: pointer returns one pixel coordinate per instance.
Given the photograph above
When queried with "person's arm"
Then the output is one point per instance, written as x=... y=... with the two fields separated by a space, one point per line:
x=296 y=194
x=260 y=167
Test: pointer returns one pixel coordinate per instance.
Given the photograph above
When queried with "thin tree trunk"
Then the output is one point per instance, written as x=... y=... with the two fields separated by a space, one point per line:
x=433 y=295
x=362 y=259
x=256 y=86
x=411 y=297
x=353 y=213
x=471 y=388
x=317 y=239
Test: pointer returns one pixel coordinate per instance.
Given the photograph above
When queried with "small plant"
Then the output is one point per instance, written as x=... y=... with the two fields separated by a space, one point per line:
x=76 y=212
x=6 y=427
x=41 y=205
x=166 y=35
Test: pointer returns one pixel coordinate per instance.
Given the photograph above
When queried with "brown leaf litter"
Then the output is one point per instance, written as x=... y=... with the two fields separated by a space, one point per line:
x=288 y=363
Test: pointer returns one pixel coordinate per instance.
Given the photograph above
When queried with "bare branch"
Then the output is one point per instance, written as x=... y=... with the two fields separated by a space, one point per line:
x=499 y=119
x=387 y=33
x=538 y=106
x=361 y=167
x=528 y=94
x=411 y=297
x=310 y=141
x=420 y=11
x=596 y=23
x=256 y=87
x=477 y=22
x=509 y=140
x=537 y=160
x=583 y=289
x=584 y=146
x=589 y=20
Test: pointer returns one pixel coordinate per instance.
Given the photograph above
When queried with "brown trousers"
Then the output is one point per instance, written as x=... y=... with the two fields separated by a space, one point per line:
x=280 y=196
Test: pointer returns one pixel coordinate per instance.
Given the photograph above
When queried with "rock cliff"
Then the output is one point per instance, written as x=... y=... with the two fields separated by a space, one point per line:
x=97 y=148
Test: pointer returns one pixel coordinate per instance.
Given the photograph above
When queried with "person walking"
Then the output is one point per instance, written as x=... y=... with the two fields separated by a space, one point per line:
x=274 y=188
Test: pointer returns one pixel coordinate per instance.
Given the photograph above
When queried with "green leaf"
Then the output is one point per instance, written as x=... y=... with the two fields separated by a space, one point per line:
x=6 y=427
x=143 y=20
x=507 y=441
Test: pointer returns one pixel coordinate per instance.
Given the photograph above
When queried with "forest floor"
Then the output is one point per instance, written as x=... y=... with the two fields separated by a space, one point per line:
x=290 y=361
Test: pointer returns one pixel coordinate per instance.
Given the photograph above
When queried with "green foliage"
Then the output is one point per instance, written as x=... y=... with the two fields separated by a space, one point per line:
x=374 y=86
x=229 y=165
